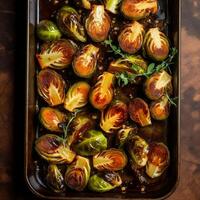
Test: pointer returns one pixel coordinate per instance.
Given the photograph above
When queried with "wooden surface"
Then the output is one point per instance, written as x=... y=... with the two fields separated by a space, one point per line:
x=11 y=96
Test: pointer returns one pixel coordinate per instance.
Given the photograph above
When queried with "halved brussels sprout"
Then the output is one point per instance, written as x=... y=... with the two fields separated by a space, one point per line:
x=85 y=62
x=57 y=54
x=114 y=117
x=78 y=174
x=53 y=149
x=55 y=179
x=156 y=44
x=104 y=182
x=51 y=87
x=160 y=109
x=50 y=118
x=131 y=38
x=139 y=112
x=102 y=93
x=92 y=142
x=98 y=23
x=111 y=160
x=157 y=85
x=138 y=150
x=48 y=31
x=158 y=160
x=112 y=5
x=77 y=96
x=138 y=9
x=68 y=21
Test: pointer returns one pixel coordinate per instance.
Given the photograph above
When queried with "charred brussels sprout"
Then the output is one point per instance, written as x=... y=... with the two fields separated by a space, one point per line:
x=98 y=23
x=48 y=31
x=102 y=93
x=160 y=109
x=138 y=9
x=55 y=179
x=114 y=117
x=50 y=118
x=85 y=62
x=158 y=160
x=78 y=174
x=51 y=87
x=112 y=5
x=57 y=54
x=131 y=37
x=156 y=44
x=157 y=85
x=92 y=142
x=139 y=112
x=104 y=182
x=77 y=96
x=138 y=150
x=111 y=160
x=53 y=149
x=68 y=21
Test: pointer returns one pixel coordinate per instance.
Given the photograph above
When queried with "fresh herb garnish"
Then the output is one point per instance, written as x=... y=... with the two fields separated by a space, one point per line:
x=172 y=101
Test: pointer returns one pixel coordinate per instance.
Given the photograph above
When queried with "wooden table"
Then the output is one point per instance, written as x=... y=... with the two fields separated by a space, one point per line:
x=11 y=94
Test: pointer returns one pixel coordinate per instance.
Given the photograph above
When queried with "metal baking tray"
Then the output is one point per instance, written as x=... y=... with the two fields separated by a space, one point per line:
x=35 y=11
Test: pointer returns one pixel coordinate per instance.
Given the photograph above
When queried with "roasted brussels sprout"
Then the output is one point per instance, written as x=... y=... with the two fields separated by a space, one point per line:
x=131 y=37
x=57 y=54
x=156 y=44
x=139 y=112
x=114 y=117
x=138 y=9
x=53 y=149
x=160 y=109
x=158 y=160
x=68 y=21
x=92 y=142
x=104 y=182
x=55 y=179
x=51 y=87
x=50 y=118
x=85 y=62
x=98 y=23
x=48 y=31
x=111 y=160
x=77 y=96
x=112 y=5
x=78 y=174
x=138 y=150
x=102 y=93
x=157 y=85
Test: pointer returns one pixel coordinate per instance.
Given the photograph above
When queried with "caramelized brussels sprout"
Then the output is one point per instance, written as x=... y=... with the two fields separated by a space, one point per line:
x=104 y=182
x=138 y=150
x=48 y=31
x=139 y=112
x=102 y=93
x=157 y=85
x=114 y=117
x=92 y=142
x=68 y=21
x=57 y=54
x=98 y=23
x=50 y=118
x=77 y=96
x=51 y=87
x=131 y=37
x=78 y=174
x=158 y=160
x=85 y=62
x=138 y=9
x=156 y=44
x=53 y=149
x=160 y=109
x=112 y=5
x=111 y=160
x=55 y=179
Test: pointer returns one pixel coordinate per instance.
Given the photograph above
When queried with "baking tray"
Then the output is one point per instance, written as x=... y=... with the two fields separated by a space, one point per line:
x=32 y=168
